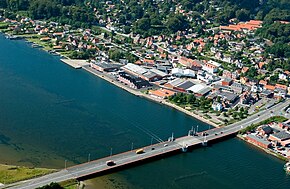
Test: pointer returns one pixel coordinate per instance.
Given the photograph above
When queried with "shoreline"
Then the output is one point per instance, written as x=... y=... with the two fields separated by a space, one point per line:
x=128 y=89
x=263 y=149
x=148 y=97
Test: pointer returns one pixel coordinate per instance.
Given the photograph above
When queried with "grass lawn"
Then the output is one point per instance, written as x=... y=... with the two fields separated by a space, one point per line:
x=10 y=174
x=70 y=184
x=45 y=45
x=3 y=25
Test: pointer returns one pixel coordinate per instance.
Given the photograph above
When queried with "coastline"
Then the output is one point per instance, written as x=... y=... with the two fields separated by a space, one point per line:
x=142 y=95
x=264 y=149
x=128 y=89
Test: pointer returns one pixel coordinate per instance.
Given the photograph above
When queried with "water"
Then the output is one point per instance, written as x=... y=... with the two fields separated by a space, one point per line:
x=50 y=112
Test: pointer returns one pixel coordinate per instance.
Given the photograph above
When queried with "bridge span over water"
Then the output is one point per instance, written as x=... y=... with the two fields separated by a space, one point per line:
x=193 y=139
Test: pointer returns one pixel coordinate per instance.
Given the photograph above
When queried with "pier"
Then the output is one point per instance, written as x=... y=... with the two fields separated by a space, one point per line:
x=77 y=64
x=173 y=145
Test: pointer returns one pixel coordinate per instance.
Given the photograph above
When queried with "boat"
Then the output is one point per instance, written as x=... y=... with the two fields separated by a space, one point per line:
x=35 y=45
x=287 y=168
x=12 y=37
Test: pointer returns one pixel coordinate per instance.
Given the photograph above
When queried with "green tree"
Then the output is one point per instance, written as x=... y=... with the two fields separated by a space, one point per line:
x=243 y=15
x=115 y=54
x=177 y=23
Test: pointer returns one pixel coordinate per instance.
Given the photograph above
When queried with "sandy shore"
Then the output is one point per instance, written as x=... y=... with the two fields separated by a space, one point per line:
x=140 y=94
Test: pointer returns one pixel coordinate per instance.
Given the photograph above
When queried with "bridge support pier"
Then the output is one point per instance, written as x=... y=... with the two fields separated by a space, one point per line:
x=204 y=143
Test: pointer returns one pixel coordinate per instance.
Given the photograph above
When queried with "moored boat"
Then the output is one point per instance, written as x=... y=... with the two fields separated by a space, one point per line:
x=287 y=168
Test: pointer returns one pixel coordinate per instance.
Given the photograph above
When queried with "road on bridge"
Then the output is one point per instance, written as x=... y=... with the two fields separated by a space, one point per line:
x=98 y=166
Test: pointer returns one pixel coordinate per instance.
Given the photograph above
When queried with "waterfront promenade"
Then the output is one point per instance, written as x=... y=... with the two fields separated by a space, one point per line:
x=125 y=159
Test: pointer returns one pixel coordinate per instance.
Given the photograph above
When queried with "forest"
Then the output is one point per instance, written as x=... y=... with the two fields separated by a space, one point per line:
x=149 y=18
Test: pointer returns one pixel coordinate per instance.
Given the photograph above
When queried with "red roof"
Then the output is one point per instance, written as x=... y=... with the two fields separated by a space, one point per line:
x=281 y=86
x=270 y=87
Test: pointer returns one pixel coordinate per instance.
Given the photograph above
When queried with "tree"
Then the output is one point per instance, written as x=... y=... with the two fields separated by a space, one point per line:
x=3 y=4
x=190 y=98
x=243 y=15
x=177 y=23
x=115 y=54
x=52 y=185
x=143 y=24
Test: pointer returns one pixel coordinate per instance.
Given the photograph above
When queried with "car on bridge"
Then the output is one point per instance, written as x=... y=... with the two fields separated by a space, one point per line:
x=140 y=151
x=110 y=163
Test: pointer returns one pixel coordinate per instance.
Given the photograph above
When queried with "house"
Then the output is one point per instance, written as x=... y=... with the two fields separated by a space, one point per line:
x=178 y=72
x=246 y=98
x=104 y=67
x=227 y=74
x=132 y=81
x=269 y=87
x=161 y=93
x=189 y=63
x=245 y=69
x=210 y=67
x=227 y=97
x=216 y=106
x=199 y=90
x=237 y=88
x=256 y=88
x=280 y=93
x=184 y=86
x=283 y=76
x=279 y=86
x=148 y=62
x=263 y=82
x=285 y=126
x=141 y=72
x=227 y=82
x=280 y=136
x=258 y=141
x=264 y=130
x=244 y=80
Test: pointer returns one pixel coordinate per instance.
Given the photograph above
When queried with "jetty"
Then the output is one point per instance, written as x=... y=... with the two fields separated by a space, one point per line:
x=77 y=64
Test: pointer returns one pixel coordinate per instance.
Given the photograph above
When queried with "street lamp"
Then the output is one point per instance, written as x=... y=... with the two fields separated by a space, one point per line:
x=65 y=163
x=111 y=152
x=132 y=146
x=89 y=157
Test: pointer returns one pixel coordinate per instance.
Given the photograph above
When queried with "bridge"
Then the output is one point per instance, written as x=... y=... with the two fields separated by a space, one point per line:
x=193 y=139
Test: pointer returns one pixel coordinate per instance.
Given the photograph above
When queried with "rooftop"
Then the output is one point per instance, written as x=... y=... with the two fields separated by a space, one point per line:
x=283 y=135
x=261 y=140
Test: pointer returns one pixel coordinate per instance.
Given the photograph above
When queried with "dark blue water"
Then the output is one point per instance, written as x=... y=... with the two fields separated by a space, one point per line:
x=50 y=112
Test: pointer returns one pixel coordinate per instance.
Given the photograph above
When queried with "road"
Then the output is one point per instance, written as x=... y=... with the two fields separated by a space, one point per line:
x=122 y=159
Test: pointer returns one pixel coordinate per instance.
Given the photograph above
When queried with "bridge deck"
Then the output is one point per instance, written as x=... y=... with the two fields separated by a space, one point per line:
x=99 y=166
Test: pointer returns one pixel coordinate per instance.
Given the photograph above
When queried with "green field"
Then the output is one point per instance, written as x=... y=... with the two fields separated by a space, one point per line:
x=10 y=174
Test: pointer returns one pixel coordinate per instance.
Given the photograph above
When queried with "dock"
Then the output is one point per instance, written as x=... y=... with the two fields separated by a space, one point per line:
x=77 y=64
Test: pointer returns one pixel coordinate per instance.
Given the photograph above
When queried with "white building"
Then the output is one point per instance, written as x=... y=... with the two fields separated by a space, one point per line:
x=216 y=106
